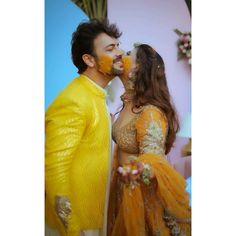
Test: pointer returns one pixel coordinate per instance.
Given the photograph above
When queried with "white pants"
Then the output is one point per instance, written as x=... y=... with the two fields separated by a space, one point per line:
x=91 y=233
x=53 y=232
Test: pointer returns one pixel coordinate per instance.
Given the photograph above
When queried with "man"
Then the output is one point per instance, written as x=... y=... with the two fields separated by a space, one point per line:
x=78 y=135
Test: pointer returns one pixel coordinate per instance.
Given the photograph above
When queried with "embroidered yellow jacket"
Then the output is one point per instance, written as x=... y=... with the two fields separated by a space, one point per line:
x=77 y=155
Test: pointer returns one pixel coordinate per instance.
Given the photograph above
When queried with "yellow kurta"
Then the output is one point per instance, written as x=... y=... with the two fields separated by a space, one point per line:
x=77 y=155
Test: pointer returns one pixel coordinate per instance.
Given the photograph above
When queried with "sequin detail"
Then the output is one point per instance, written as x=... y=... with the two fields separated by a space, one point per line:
x=171 y=223
x=153 y=141
x=63 y=209
x=125 y=136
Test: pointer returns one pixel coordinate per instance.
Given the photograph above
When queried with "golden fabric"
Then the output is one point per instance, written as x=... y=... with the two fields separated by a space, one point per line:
x=160 y=208
x=77 y=155
x=126 y=135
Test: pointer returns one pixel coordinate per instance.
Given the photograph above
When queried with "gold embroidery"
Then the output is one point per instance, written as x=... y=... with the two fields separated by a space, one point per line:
x=125 y=136
x=153 y=141
x=158 y=233
x=172 y=223
x=63 y=209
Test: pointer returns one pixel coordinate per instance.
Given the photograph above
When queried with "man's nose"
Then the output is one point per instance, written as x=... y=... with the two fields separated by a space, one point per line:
x=120 y=52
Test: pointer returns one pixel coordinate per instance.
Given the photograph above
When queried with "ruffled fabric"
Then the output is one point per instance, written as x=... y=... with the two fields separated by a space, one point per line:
x=142 y=210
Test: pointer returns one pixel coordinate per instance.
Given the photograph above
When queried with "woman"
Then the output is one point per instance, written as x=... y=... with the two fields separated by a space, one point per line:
x=147 y=195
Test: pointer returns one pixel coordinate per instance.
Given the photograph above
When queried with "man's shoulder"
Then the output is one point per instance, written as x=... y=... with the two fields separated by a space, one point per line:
x=73 y=94
x=75 y=87
x=74 y=90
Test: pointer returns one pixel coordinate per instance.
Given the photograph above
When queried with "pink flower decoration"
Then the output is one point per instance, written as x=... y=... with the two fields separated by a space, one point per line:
x=120 y=169
x=135 y=172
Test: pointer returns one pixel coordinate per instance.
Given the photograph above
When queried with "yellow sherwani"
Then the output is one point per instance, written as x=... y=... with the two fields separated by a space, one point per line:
x=77 y=154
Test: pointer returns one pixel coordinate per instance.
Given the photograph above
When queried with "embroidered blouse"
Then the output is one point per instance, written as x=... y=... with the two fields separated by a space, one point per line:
x=145 y=133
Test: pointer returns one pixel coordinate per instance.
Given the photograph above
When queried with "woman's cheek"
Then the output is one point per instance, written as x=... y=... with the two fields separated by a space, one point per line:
x=127 y=63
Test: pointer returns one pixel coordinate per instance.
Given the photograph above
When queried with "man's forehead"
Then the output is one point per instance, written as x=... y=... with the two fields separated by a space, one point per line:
x=105 y=40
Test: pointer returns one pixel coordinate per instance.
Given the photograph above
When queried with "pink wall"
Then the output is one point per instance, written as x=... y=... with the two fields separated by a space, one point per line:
x=153 y=22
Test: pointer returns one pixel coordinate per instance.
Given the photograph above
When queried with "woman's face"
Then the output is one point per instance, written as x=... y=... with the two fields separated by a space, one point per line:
x=129 y=63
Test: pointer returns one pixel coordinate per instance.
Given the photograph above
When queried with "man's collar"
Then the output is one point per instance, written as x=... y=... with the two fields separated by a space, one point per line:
x=95 y=88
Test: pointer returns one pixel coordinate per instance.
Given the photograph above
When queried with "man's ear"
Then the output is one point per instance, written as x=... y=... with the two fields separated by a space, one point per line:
x=88 y=60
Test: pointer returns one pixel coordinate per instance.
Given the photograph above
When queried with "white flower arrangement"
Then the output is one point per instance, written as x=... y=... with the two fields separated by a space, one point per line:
x=184 y=45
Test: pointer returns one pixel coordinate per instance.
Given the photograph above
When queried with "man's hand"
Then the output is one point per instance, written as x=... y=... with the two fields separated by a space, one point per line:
x=63 y=209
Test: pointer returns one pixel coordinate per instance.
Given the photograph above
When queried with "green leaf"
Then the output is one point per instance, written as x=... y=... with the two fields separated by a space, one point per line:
x=93 y=9
x=177 y=31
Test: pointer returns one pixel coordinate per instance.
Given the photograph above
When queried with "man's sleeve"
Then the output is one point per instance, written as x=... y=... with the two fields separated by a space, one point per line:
x=65 y=126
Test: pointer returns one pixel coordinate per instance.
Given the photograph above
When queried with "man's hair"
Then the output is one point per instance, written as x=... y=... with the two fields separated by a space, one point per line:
x=83 y=39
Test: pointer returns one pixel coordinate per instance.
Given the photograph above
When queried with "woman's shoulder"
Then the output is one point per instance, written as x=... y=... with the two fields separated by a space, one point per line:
x=150 y=108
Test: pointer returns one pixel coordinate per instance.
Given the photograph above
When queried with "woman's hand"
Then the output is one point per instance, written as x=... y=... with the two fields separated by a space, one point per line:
x=135 y=171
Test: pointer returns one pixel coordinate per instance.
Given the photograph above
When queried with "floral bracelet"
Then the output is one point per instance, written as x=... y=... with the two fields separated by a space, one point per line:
x=146 y=174
x=135 y=168
x=126 y=169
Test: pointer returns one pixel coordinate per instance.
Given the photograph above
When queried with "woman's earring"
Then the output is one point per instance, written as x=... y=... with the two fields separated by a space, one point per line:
x=131 y=81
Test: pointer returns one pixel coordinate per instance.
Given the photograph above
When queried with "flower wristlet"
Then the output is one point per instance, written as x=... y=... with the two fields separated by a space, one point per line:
x=135 y=168
x=146 y=174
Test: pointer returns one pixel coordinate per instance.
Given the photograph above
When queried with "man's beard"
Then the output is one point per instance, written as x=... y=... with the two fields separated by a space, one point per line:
x=116 y=72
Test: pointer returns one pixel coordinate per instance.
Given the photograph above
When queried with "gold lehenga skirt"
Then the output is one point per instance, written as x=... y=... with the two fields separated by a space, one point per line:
x=160 y=208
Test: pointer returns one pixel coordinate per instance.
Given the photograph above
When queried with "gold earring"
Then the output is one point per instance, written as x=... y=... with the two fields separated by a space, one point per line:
x=131 y=82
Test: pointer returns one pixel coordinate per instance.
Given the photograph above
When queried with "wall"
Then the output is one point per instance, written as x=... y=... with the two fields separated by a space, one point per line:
x=61 y=20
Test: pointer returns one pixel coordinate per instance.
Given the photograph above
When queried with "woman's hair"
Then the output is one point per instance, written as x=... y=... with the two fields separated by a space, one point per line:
x=151 y=88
